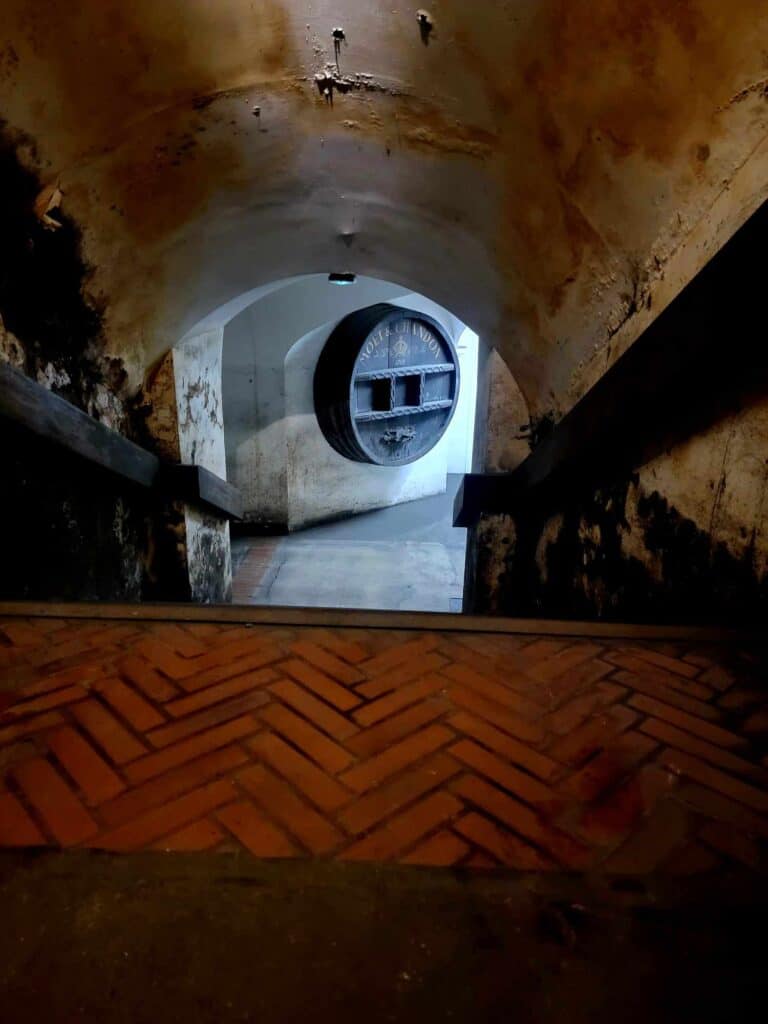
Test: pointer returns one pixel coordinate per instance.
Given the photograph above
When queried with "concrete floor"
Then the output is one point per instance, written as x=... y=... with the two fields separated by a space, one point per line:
x=408 y=558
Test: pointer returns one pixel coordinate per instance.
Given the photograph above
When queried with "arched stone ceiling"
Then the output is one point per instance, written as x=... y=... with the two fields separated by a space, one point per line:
x=550 y=170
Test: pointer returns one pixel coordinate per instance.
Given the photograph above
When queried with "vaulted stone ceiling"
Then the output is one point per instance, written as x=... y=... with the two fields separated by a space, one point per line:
x=550 y=170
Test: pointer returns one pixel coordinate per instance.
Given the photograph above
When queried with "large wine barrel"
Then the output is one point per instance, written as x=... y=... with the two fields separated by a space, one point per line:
x=386 y=385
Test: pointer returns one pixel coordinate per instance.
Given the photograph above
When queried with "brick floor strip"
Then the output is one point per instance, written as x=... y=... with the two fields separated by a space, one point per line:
x=321 y=684
x=16 y=826
x=522 y=785
x=97 y=781
x=735 y=789
x=216 y=715
x=170 y=817
x=507 y=848
x=255 y=832
x=327 y=662
x=319 y=787
x=523 y=820
x=200 y=835
x=441 y=850
x=470 y=750
x=690 y=744
x=405 y=829
x=378 y=737
x=689 y=723
x=328 y=754
x=114 y=739
x=204 y=743
x=138 y=712
x=62 y=812
x=316 y=711
x=384 y=801
x=157 y=791
x=315 y=832
x=45 y=703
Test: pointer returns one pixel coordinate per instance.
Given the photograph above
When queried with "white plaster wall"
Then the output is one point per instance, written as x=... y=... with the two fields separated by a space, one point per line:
x=276 y=453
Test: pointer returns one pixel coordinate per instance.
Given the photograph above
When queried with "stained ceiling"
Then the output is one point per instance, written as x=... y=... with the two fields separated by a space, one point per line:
x=552 y=171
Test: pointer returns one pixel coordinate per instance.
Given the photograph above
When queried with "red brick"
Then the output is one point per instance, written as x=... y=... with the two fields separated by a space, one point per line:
x=410 y=786
x=239 y=668
x=200 y=835
x=178 y=639
x=612 y=819
x=54 y=801
x=327 y=662
x=684 y=741
x=29 y=726
x=316 y=711
x=506 y=746
x=321 y=684
x=406 y=652
x=735 y=789
x=314 y=744
x=21 y=634
x=666 y=694
x=571 y=715
x=719 y=677
x=400 y=832
x=341 y=645
x=610 y=766
x=653 y=659
x=215 y=694
x=400 y=675
x=314 y=831
x=97 y=781
x=158 y=791
x=46 y=702
x=216 y=715
x=148 y=680
x=589 y=738
x=711 y=733
x=79 y=674
x=379 y=737
x=713 y=805
x=493 y=690
x=139 y=713
x=440 y=851
x=653 y=843
x=378 y=768
x=563 y=661
x=16 y=826
x=228 y=668
x=168 y=818
x=385 y=706
x=113 y=738
x=530 y=732
x=522 y=785
x=253 y=645
x=314 y=783
x=253 y=830
x=160 y=654
x=505 y=847
x=171 y=757
x=521 y=819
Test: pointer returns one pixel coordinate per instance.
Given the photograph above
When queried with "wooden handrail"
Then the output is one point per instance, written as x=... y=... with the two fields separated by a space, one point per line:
x=54 y=419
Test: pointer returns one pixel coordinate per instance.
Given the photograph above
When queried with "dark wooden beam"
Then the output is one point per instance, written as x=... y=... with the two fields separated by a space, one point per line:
x=54 y=418
x=704 y=356
x=200 y=486
x=51 y=417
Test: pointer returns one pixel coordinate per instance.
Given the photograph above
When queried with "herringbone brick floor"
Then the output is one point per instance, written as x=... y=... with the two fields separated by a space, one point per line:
x=448 y=748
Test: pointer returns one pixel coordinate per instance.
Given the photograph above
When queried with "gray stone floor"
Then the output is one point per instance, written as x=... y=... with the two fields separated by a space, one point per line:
x=407 y=558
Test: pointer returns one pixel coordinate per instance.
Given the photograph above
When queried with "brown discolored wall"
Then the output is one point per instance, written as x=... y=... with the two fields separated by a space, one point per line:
x=683 y=539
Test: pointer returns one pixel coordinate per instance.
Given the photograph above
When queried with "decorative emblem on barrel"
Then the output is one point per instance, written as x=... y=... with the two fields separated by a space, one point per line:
x=386 y=385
